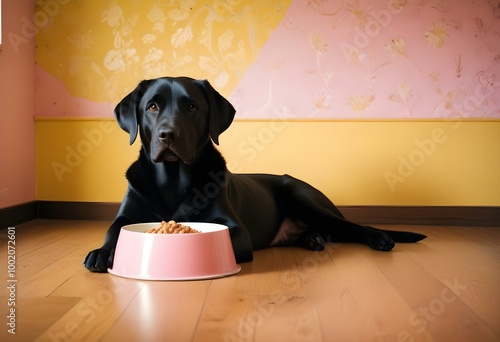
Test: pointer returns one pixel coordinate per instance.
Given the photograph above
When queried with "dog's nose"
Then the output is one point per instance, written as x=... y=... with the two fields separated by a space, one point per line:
x=167 y=135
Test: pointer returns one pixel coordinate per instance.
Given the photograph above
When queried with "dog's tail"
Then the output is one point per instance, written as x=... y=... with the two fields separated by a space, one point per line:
x=399 y=236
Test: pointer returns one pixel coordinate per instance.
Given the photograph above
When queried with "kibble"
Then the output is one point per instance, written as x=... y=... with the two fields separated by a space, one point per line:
x=171 y=227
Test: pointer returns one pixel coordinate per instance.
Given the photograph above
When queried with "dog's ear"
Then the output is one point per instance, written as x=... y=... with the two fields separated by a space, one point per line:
x=126 y=110
x=221 y=111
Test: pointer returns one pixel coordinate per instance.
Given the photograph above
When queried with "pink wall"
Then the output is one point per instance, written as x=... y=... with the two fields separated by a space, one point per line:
x=377 y=59
x=17 y=127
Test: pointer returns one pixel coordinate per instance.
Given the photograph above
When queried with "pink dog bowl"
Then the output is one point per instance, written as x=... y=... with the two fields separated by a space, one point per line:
x=205 y=255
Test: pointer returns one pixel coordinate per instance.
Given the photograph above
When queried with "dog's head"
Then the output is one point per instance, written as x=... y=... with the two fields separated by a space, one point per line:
x=174 y=116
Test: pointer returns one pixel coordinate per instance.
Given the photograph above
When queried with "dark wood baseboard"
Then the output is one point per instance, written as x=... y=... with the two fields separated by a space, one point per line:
x=77 y=210
x=411 y=215
x=424 y=215
x=18 y=214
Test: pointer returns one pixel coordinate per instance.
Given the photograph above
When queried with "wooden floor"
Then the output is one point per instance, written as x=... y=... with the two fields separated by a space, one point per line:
x=445 y=288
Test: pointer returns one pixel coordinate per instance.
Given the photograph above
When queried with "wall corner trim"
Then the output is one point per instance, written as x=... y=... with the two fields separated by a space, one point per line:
x=394 y=215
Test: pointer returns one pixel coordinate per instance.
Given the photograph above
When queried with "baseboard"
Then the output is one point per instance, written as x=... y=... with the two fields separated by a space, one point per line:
x=18 y=214
x=77 y=210
x=410 y=215
x=424 y=215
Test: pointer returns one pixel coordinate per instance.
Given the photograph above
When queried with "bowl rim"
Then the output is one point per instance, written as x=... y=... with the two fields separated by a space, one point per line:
x=140 y=228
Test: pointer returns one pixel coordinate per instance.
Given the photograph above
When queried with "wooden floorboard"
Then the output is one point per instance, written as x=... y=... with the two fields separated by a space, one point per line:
x=443 y=288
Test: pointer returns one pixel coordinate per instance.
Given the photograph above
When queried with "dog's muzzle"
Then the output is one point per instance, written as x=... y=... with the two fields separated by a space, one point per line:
x=166 y=147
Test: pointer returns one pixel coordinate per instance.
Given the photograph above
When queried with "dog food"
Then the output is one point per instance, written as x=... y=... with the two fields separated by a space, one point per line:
x=171 y=227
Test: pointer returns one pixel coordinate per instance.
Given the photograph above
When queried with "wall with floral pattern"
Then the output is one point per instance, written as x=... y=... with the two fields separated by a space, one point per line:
x=378 y=59
x=304 y=59
x=94 y=52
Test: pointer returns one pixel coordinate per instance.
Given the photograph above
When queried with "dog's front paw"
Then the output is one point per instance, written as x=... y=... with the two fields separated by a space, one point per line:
x=379 y=241
x=99 y=260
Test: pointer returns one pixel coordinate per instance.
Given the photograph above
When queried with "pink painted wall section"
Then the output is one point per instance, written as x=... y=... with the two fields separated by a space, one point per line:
x=17 y=129
x=53 y=100
x=377 y=59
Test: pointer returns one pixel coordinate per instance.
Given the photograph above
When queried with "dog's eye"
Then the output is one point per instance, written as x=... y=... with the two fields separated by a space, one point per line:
x=153 y=107
x=191 y=107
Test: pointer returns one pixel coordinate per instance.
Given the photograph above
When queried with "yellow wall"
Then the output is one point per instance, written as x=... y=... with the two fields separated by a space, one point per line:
x=435 y=163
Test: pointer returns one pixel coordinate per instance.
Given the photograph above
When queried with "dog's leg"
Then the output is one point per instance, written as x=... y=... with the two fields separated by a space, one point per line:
x=309 y=208
x=99 y=260
x=131 y=211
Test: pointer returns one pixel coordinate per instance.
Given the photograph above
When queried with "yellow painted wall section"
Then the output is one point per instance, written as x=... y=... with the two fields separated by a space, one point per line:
x=436 y=163
x=82 y=160
x=114 y=44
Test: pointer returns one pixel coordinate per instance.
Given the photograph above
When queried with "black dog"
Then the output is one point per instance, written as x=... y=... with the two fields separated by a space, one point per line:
x=181 y=176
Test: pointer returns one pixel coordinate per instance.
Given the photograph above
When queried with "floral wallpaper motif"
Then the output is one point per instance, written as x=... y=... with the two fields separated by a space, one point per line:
x=326 y=59
x=360 y=59
x=100 y=49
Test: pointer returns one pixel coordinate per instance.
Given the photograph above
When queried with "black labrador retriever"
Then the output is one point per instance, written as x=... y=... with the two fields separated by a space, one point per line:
x=181 y=176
